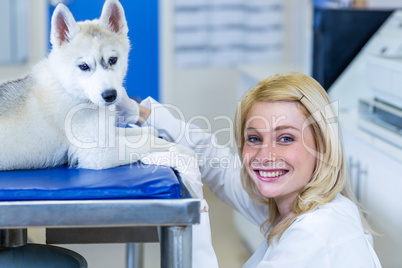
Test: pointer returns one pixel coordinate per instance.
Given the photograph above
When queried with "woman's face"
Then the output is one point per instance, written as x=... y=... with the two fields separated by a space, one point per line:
x=275 y=153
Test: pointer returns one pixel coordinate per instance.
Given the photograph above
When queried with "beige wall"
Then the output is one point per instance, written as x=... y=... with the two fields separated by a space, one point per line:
x=212 y=92
x=38 y=40
x=384 y=3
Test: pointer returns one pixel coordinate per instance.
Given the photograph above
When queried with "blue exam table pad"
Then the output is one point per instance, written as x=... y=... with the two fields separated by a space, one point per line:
x=136 y=181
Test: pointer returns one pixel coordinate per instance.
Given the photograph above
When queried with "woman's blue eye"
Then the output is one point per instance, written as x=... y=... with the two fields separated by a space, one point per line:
x=253 y=139
x=286 y=139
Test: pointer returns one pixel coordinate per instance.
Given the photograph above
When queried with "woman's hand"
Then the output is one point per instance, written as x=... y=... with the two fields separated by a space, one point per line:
x=144 y=114
x=128 y=111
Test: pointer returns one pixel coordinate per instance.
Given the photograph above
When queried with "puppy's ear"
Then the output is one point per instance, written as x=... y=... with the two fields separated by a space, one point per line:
x=113 y=17
x=64 y=26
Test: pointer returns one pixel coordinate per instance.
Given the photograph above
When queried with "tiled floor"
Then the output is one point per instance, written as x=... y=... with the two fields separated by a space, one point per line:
x=227 y=243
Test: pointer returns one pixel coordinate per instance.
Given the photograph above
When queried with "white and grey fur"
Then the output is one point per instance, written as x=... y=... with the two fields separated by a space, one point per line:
x=64 y=109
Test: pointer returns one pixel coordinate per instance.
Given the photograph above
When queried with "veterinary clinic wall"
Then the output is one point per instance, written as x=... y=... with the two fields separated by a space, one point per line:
x=384 y=3
x=36 y=38
x=14 y=45
x=213 y=91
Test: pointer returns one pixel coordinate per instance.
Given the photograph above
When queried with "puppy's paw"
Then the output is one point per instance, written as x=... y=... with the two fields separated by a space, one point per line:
x=153 y=131
x=135 y=131
x=159 y=159
x=180 y=149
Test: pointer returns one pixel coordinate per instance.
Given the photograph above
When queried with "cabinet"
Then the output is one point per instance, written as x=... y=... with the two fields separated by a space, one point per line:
x=376 y=165
x=377 y=181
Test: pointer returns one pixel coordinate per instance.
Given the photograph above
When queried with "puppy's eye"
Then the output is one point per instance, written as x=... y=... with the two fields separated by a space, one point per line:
x=84 y=67
x=112 y=60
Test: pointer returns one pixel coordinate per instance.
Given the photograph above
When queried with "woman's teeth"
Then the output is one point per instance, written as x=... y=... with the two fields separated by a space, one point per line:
x=271 y=174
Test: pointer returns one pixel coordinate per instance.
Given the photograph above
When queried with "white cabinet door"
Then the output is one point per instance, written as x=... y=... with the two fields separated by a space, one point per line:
x=380 y=189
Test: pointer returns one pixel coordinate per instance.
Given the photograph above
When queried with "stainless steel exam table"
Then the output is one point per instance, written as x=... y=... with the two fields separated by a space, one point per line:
x=121 y=205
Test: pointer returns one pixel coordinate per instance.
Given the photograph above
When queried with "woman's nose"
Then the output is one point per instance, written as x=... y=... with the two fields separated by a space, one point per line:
x=267 y=153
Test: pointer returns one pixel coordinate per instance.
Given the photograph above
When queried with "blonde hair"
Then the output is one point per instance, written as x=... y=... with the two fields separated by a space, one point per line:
x=331 y=174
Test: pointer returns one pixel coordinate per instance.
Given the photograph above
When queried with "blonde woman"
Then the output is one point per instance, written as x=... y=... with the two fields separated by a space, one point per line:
x=293 y=181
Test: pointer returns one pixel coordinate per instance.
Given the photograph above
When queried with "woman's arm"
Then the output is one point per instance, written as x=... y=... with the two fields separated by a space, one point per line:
x=220 y=169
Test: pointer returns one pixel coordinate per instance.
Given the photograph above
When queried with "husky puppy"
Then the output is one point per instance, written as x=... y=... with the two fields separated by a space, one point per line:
x=64 y=109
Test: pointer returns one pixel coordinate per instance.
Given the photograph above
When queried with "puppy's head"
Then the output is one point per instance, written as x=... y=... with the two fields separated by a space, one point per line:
x=90 y=58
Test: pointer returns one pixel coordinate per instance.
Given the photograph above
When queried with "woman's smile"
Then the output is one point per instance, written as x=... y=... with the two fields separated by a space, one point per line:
x=270 y=175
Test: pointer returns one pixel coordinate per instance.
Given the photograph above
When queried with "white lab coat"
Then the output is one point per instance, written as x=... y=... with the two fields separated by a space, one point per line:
x=331 y=235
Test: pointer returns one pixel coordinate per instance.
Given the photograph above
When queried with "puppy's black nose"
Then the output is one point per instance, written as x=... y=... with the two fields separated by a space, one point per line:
x=109 y=95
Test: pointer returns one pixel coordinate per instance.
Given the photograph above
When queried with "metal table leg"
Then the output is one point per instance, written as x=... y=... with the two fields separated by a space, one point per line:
x=135 y=255
x=13 y=237
x=176 y=246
